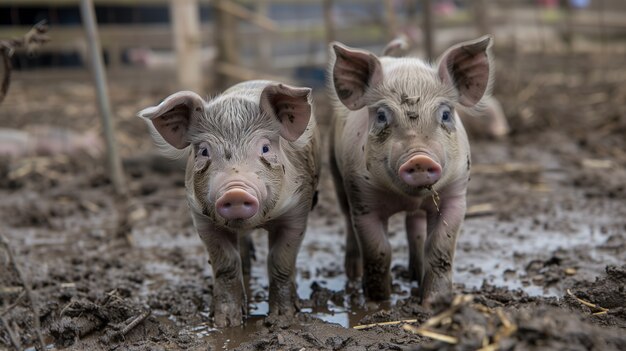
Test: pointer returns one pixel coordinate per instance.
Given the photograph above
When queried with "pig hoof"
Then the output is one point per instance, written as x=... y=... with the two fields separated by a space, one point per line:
x=377 y=291
x=288 y=311
x=434 y=287
x=228 y=315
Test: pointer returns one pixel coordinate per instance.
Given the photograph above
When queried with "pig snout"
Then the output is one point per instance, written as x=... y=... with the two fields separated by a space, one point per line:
x=420 y=170
x=237 y=204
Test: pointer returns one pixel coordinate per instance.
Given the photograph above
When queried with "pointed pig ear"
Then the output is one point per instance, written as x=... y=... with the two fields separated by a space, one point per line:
x=290 y=105
x=353 y=72
x=398 y=47
x=467 y=66
x=172 y=117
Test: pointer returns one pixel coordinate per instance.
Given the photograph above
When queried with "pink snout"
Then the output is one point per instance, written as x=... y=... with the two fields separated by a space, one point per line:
x=237 y=204
x=420 y=170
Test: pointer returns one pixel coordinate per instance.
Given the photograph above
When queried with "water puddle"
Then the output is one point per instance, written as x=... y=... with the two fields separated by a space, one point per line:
x=489 y=250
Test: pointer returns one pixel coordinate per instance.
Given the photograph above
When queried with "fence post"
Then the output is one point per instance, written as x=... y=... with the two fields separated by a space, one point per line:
x=97 y=68
x=225 y=29
x=188 y=43
x=428 y=27
x=481 y=16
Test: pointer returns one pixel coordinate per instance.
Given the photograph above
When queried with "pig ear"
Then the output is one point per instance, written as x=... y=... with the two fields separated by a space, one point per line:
x=172 y=117
x=467 y=66
x=397 y=47
x=353 y=72
x=290 y=105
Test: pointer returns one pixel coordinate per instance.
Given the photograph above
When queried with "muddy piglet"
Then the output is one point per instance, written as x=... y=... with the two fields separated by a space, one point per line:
x=399 y=146
x=253 y=163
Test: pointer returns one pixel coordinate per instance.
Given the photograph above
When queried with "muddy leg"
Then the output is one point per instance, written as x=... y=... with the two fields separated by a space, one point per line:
x=229 y=297
x=246 y=253
x=371 y=232
x=284 y=243
x=353 y=265
x=440 y=247
x=416 y=236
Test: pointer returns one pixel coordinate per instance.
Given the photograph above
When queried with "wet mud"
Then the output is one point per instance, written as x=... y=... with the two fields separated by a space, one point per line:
x=539 y=264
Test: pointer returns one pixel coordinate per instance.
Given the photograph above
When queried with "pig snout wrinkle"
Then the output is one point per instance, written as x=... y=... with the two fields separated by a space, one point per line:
x=420 y=170
x=237 y=204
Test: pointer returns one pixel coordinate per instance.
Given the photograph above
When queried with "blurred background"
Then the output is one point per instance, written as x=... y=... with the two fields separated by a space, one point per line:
x=154 y=47
x=207 y=46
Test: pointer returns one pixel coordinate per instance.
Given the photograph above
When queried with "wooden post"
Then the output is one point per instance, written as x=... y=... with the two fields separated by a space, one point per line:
x=428 y=27
x=481 y=16
x=329 y=21
x=226 y=42
x=263 y=45
x=97 y=68
x=188 y=44
x=390 y=20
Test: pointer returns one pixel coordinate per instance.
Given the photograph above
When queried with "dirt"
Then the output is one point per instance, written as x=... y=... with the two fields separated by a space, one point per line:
x=546 y=231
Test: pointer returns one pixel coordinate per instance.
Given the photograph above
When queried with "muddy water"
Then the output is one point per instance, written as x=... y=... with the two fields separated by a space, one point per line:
x=492 y=249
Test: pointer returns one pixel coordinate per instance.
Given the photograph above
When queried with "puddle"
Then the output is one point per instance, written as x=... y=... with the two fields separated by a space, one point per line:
x=489 y=249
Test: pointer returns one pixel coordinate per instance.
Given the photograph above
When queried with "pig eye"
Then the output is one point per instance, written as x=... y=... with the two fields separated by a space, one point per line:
x=445 y=114
x=265 y=149
x=203 y=150
x=381 y=116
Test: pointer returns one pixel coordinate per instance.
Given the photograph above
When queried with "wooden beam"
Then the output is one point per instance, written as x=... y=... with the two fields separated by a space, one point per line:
x=247 y=15
x=225 y=37
x=187 y=43
x=428 y=29
x=97 y=68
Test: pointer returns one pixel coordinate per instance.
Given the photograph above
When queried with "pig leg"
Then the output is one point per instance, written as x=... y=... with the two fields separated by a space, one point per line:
x=353 y=265
x=246 y=253
x=371 y=231
x=416 y=237
x=284 y=243
x=443 y=229
x=229 y=298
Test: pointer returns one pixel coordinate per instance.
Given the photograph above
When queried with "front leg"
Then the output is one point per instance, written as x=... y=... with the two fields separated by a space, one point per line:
x=371 y=232
x=229 y=297
x=416 y=236
x=443 y=229
x=284 y=244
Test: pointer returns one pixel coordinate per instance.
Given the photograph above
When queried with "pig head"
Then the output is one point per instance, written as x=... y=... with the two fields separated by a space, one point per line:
x=399 y=146
x=253 y=163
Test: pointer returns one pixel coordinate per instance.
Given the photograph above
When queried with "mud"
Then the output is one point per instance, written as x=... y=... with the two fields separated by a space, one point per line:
x=546 y=215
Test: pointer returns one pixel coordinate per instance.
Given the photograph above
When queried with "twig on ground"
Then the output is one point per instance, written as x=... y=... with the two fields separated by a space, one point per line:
x=458 y=301
x=478 y=210
x=130 y=326
x=14 y=339
x=365 y=326
x=31 y=40
x=27 y=290
x=431 y=334
x=15 y=303
x=599 y=309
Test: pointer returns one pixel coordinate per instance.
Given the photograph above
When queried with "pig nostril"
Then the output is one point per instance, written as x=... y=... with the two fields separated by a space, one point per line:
x=431 y=170
x=227 y=205
x=246 y=203
x=410 y=171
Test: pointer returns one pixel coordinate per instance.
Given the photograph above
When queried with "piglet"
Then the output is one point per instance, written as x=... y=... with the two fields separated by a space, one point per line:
x=254 y=162
x=398 y=145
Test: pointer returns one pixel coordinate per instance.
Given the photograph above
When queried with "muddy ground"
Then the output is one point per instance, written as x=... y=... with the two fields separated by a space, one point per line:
x=547 y=214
